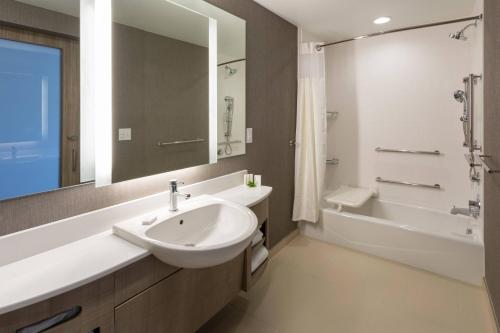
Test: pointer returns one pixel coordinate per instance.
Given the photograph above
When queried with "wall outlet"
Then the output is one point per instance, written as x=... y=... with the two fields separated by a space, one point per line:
x=249 y=135
x=124 y=134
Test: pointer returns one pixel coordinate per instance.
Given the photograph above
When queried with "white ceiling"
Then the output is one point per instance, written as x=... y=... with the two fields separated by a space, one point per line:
x=334 y=20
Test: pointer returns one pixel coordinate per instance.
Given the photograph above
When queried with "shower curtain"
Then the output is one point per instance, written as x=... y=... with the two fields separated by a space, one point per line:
x=310 y=153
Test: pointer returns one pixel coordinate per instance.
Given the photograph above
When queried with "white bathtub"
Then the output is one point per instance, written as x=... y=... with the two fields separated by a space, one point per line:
x=428 y=239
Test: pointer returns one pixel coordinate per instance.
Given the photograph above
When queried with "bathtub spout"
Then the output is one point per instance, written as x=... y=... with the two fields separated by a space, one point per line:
x=460 y=211
x=473 y=210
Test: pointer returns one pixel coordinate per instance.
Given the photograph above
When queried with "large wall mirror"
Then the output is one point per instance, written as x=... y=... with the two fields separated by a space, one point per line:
x=164 y=86
x=39 y=96
x=177 y=101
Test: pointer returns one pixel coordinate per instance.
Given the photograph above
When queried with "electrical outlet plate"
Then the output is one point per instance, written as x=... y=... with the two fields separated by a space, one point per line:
x=124 y=134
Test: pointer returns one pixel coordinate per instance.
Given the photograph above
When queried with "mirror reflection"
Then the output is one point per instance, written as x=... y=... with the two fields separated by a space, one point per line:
x=160 y=88
x=39 y=94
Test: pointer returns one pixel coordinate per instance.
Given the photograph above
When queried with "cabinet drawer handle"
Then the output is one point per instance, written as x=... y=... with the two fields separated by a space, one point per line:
x=51 y=322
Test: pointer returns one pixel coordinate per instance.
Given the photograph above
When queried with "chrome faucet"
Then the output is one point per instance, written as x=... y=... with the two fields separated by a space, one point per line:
x=473 y=210
x=174 y=193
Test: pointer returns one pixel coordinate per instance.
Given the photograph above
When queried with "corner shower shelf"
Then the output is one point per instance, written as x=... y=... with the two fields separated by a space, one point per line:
x=349 y=196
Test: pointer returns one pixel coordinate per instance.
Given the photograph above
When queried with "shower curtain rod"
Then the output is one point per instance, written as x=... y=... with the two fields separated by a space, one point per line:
x=472 y=18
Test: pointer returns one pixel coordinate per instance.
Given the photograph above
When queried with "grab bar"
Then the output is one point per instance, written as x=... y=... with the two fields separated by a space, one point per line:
x=224 y=143
x=333 y=161
x=486 y=166
x=406 y=151
x=381 y=180
x=161 y=144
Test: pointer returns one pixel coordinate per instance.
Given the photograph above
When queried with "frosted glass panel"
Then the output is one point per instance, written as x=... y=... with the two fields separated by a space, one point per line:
x=30 y=118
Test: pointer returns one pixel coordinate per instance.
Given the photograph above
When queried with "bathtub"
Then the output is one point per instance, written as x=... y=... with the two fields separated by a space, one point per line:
x=424 y=238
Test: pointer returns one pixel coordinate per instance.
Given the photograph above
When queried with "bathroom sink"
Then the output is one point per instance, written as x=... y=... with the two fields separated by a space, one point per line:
x=206 y=231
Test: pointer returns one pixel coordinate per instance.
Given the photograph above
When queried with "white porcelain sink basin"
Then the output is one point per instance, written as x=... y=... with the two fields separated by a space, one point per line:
x=206 y=231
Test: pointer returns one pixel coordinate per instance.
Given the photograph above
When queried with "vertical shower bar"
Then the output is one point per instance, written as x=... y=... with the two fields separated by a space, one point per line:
x=471 y=112
x=471 y=80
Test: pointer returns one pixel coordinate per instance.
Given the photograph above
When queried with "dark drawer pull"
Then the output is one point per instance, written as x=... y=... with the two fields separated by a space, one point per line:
x=51 y=322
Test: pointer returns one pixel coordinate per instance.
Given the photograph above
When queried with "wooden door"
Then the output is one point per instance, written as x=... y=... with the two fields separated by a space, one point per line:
x=70 y=94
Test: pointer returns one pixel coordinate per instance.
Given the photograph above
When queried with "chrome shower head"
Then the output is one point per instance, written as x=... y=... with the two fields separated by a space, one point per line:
x=459 y=35
x=459 y=96
x=230 y=71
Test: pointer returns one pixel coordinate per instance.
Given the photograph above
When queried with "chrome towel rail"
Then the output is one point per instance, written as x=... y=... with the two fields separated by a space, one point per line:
x=381 y=180
x=161 y=144
x=486 y=166
x=406 y=151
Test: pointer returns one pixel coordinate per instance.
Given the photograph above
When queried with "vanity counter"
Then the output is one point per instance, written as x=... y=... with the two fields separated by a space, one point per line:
x=57 y=270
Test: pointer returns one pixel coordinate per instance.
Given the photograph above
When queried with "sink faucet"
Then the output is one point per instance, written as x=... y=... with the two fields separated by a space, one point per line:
x=174 y=194
x=473 y=210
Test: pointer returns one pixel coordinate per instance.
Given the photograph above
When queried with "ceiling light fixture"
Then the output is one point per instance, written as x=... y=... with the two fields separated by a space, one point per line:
x=382 y=20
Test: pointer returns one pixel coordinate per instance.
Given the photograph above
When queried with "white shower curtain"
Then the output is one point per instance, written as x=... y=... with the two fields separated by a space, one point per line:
x=310 y=153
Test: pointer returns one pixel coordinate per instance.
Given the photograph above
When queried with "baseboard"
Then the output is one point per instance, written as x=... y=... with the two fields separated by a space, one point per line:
x=492 y=308
x=282 y=243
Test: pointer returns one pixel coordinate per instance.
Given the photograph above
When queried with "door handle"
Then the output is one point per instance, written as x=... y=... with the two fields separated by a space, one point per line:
x=291 y=143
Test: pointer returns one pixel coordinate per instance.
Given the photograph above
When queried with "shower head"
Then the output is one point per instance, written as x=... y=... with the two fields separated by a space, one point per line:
x=459 y=96
x=460 y=35
x=230 y=71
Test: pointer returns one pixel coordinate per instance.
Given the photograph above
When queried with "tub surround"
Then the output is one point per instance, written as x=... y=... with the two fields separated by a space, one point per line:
x=66 y=254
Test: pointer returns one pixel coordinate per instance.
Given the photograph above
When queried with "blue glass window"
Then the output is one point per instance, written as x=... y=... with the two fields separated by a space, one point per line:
x=30 y=118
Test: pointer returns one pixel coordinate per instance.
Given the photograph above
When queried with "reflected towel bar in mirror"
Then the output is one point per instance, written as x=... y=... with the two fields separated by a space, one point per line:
x=381 y=180
x=406 y=151
x=161 y=144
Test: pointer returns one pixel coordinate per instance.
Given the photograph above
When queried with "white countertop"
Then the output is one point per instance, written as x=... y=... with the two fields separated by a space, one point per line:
x=64 y=268
x=58 y=270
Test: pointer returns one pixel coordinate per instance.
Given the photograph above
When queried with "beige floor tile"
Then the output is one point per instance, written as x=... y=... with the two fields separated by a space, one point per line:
x=312 y=286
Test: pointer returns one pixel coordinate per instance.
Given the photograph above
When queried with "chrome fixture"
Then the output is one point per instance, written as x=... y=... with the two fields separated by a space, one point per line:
x=230 y=71
x=486 y=166
x=473 y=210
x=466 y=97
x=472 y=18
x=161 y=144
x=406 y=151
x=228 y=123
x=174 y=193
x=460 y=96
x=460 y=35
x=333 y=161
x=381 y=180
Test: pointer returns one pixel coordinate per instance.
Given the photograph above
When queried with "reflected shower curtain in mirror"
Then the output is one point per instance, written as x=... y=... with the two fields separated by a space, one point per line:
x=310 y=153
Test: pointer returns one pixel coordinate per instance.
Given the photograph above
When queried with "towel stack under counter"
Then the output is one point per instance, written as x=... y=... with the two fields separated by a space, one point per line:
x=259 y=251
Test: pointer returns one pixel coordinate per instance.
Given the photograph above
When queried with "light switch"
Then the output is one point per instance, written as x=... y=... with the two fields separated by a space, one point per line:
x=249 y=135
x=124 y=134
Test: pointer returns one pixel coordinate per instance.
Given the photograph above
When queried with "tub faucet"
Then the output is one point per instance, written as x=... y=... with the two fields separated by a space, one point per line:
x=473 y=210
x=174 y=193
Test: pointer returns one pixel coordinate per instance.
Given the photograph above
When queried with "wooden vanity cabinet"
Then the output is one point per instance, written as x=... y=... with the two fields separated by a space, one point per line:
x=182 y=302
x=96 y=315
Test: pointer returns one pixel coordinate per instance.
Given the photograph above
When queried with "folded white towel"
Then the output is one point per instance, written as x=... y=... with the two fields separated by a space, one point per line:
x=259 y=255
x=257 y=238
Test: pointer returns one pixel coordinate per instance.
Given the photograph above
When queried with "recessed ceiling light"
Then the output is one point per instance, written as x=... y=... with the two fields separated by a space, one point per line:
x=382 y=20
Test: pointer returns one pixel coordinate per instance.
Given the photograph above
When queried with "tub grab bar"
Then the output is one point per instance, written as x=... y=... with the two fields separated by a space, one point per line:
x=486 y=166
x=381 y=180
x=406 y=151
